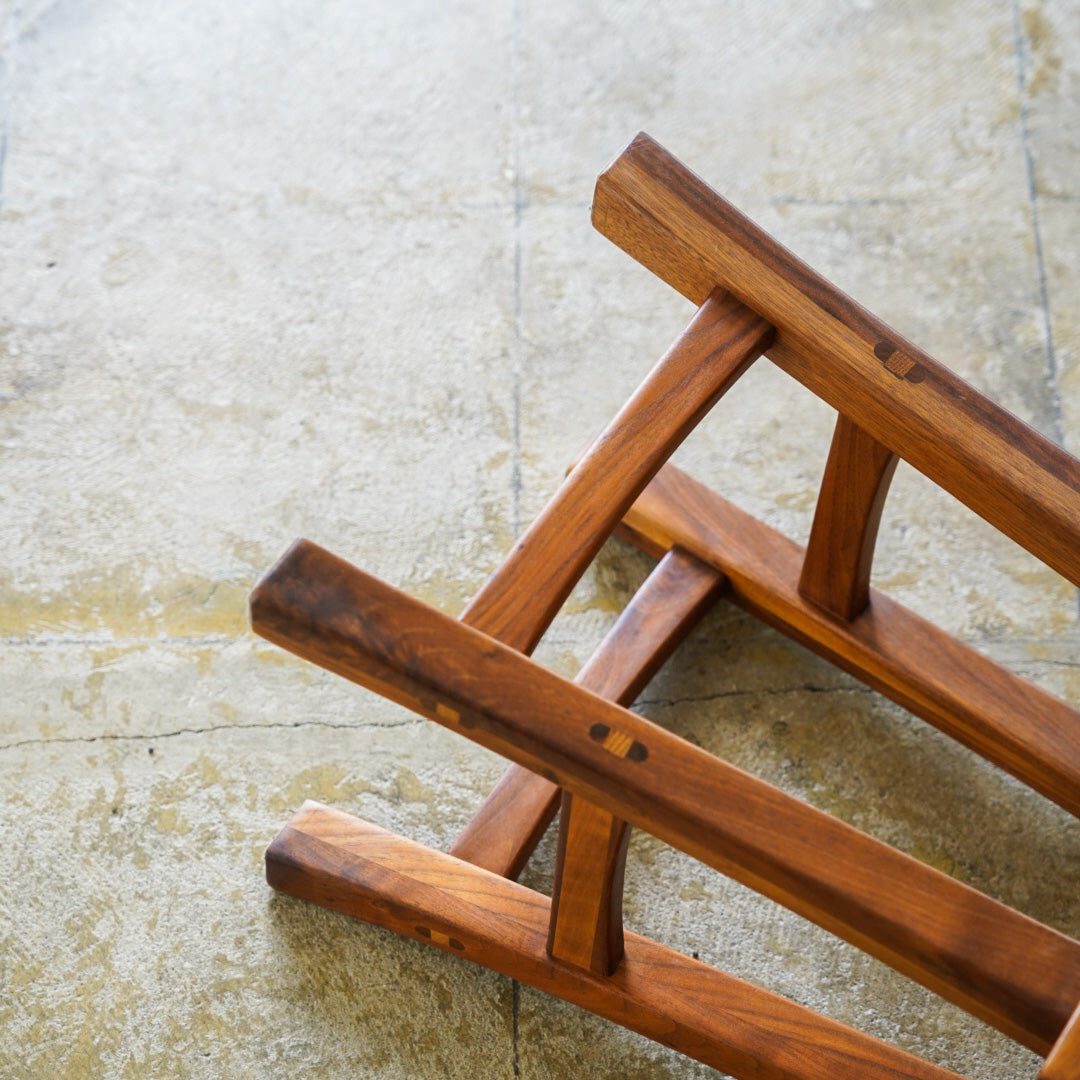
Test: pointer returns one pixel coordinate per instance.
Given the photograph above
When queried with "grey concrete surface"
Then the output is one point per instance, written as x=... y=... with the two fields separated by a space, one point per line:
x=272 y=270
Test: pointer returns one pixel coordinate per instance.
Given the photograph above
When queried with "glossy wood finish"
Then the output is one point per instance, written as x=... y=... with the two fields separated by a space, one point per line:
x=586 y=913
x=1006 y=719
x=357 y=868
x=509 y=824
x=840 y=551
x=518 y=602
x=672 y=222
x=995 y=962
x=504 y=832
x=1063 y=1061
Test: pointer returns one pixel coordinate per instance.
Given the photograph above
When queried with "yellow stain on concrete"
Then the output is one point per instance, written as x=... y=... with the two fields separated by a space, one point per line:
x=117 y=602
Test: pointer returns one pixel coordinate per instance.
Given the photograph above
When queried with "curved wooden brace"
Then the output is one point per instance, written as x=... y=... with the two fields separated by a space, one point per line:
x=586 y=908
x=840 y=551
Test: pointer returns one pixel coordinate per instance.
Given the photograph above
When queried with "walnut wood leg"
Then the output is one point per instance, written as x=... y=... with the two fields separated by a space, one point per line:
x=1063 y=1061
x=518 y=602
x=357 y=868
x=840 y=551
x=586 y=910
x=663 y=611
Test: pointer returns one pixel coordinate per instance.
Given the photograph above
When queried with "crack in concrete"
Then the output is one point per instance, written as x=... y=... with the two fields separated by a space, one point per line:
x=7 y=79
x=761 y=692
x=139 y=737
x=519 y=207
x=106 y=642
x=1036 y=228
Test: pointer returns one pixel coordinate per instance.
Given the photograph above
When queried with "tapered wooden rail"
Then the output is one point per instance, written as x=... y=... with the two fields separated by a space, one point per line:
x=1011 y=971
x=615 y=769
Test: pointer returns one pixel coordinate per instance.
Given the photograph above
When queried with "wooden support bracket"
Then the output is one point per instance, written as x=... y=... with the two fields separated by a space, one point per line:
x=577 y=741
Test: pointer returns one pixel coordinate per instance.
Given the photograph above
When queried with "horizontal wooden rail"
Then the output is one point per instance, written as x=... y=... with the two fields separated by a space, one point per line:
x=352 y=866
x=998 y=964
x=1006 y=719
x=672 y=222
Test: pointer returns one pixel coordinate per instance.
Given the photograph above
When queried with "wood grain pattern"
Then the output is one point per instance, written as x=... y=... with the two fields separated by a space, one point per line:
x=663 y=215
x=1063 y=1061
x=586 y=901
x=586 y=911
x=1006 y=719
x=840 y=551
x=357 y=868
x=520 y=599
x=995 y=962
x=504 y=832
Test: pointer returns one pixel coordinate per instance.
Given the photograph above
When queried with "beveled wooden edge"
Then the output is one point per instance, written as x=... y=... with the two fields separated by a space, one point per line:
x=654 y=208
x=506 y=828
x=1000 y=965
x=1008 y=720
x=1063 y=1061
x=357 y=868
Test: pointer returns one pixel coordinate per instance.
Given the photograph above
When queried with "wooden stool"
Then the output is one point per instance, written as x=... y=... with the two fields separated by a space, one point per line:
x=576 y=740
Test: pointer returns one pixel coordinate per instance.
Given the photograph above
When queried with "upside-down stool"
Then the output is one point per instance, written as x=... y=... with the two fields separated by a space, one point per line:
x=575 y=743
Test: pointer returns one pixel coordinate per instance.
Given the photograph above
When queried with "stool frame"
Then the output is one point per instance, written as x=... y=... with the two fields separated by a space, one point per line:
x=576 y=744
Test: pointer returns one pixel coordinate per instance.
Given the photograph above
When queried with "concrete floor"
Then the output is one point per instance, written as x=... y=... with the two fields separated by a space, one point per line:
x=274 y=270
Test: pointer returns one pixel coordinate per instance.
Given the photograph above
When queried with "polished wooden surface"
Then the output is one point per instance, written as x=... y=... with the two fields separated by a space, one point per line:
x=357 y=868
x=840 y=552
x=672 y=222
x=615 y=767
x=508 y=826
x=998 y=964
x=586 y=912
x=1032 y=734
x=1063 y=1061
x=518 y=602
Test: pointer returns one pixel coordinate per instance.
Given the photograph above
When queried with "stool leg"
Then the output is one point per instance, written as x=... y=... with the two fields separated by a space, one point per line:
x=505 y=831
x=586 y=909
x=836 y=569
x=1063 y=1061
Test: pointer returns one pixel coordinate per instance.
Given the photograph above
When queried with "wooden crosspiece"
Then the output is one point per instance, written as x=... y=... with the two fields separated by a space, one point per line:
x=575 y=744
